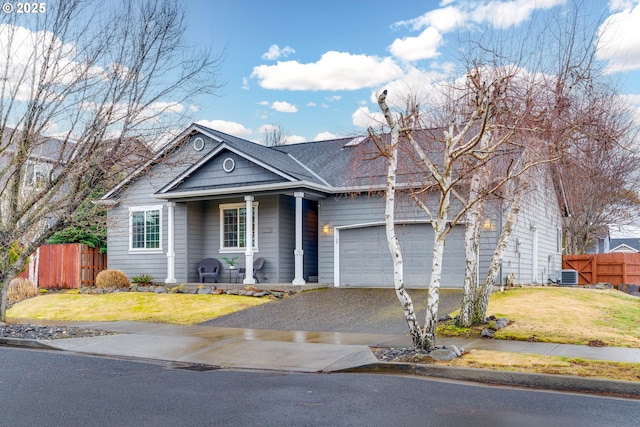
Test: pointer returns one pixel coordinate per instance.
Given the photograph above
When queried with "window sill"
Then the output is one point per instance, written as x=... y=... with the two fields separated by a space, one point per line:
x=146 y=251
x=236 y=250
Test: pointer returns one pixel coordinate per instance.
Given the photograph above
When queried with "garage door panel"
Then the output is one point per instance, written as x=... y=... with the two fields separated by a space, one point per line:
x=365 y=260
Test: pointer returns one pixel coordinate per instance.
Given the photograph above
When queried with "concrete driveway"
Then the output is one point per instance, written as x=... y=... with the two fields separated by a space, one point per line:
x=355 y=310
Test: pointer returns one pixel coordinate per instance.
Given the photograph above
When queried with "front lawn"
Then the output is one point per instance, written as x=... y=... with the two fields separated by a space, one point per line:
x=184 y=309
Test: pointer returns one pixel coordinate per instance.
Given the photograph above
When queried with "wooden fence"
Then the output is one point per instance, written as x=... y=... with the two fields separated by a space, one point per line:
x=68 y=266
x=615 y=268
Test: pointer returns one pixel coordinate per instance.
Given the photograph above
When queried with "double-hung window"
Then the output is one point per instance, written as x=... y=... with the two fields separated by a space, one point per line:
x=145 y=228
x=233 y=226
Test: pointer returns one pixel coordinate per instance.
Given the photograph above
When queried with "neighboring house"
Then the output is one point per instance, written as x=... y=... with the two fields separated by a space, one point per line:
x=314 y=211
x=621 y=238
x=624 y=238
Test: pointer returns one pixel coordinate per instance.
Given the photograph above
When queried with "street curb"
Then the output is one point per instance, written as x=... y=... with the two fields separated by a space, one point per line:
x=21 y=342
x=506 y=378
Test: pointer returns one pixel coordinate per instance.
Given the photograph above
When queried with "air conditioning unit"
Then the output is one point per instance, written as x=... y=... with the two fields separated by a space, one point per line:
x=568 y=277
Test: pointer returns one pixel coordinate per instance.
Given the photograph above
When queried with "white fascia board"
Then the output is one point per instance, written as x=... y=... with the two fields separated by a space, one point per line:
x=242 y=190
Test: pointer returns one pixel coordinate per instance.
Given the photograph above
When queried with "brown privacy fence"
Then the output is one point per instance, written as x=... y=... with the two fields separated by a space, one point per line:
x=614 y=268
x=68 y=265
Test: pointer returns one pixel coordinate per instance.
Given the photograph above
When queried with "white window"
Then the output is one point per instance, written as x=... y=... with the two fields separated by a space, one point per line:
x=233 y=226
x=145 y=228
x=37 y=174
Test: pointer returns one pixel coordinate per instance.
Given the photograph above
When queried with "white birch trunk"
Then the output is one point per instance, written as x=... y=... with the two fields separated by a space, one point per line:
x=389 y=220
x=471 y=250
x=433 y=300
x=483 y=294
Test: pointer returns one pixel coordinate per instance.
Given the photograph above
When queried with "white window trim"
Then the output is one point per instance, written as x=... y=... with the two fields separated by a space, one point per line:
x=30 y=181
x=237 y=250
x=143 y=209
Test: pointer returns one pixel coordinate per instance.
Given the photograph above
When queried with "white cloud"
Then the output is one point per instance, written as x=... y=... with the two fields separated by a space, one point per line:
x=232 y=128
x=264 y=103
x=334 y=71
x=445 y=19
x=194 y=108
x=324 y=136
x=245 y=84
x=311 y=104
x=284 y=107
x=619 y=40
x=510 y=13
x=364 y=118
x=275 y=52
x=424 y=46
x=295 y=139
x=163 y=107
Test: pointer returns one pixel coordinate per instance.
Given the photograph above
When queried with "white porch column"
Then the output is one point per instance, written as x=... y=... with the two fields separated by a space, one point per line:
x=171 y=255
x=248 y=277
x=298 y=253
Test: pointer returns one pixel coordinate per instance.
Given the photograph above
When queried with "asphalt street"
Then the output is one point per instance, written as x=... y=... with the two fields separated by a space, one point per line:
x=44 y=388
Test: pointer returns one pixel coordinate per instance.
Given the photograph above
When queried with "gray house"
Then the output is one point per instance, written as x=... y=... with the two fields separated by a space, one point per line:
x=313 y=211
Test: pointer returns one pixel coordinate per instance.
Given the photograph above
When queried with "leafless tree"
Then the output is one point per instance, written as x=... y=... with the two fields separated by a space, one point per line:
x=275 y=135
x=83 y=88
x=454 y=160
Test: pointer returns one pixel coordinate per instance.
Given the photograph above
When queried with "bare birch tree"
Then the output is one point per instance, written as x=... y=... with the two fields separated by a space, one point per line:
x=81 y=87
x=464 y=138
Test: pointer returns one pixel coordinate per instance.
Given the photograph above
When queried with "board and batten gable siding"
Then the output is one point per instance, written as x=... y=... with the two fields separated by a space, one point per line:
x=540 y=216
x=213 y=173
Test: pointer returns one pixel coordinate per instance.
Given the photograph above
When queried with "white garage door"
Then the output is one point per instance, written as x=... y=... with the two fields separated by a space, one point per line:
x=365 y=260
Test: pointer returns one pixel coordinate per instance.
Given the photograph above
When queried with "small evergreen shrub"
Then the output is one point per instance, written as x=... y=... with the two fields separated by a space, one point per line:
x=20 y=289
x=142 y=279
x=108 y=279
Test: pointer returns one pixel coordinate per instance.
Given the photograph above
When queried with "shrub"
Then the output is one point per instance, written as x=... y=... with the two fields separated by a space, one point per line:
x=108 y=279
x=142 y=279
x=20 y=289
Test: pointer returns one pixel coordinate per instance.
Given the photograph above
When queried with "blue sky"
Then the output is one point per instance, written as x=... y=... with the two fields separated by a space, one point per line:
x=311 y=67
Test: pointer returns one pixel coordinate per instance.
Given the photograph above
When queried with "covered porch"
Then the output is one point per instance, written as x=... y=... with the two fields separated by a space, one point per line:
x=280 y=228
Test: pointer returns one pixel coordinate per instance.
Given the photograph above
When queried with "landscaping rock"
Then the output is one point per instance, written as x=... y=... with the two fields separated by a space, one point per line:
x=443 y=354
x=204 y=291
x=160 y=290
x=487 y=333
x=628 y=288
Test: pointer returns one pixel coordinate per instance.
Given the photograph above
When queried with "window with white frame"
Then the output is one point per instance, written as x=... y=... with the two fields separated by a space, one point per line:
x=36 y=174
x=233 y=227
x=145 y=228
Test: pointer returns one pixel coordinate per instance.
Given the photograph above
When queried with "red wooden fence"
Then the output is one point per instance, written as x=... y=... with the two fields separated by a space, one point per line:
x=68 y=265
x=615 y=268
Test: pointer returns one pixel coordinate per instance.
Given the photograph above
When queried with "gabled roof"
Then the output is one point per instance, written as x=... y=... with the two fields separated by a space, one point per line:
x=334 y=166
x=624 y=248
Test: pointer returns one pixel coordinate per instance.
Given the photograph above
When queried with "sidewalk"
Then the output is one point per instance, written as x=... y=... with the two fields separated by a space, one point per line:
x=326 y=352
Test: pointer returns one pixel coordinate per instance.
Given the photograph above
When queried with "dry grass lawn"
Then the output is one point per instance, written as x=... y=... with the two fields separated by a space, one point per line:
x=568 y=315
x=533 y=363
x=559 y=315
x=182 y=309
